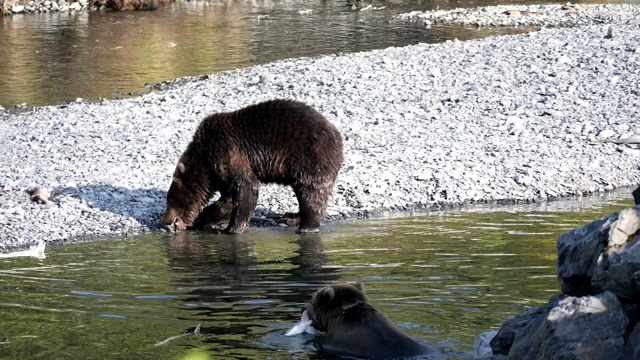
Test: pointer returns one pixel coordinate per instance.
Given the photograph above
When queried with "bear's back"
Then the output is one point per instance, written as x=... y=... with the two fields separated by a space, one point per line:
x=280 y=139
x=370 y=334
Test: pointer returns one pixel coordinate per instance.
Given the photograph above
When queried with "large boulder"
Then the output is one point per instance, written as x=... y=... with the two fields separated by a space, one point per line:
x=597 y=316
x=617 y=267
x=589 y=327
x=632 y=348
x=603 y=255
x=577 y=251
x=513 y=328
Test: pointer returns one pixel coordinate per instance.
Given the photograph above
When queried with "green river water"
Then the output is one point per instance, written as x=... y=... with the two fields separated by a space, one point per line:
x=443 y=278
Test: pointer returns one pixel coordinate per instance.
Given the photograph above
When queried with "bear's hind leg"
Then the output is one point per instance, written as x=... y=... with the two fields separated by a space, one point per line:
x=244 y=196
x=312 y=201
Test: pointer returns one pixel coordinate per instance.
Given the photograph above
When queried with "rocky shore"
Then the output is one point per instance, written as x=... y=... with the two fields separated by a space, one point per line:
x=554 y=15
x=45 y=6
x=500 y=120
x=9 y=7
x=597 y=314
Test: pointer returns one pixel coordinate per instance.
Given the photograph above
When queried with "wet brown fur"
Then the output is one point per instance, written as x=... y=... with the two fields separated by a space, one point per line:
x=119 y=5
x=355 y=328
x=278 y=141
x=4 y=7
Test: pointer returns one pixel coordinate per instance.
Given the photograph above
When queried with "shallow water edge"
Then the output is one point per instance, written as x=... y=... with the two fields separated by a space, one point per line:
x=442 y=278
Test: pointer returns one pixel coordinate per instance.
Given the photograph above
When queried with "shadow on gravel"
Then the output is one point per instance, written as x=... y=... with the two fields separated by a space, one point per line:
x=144 y=205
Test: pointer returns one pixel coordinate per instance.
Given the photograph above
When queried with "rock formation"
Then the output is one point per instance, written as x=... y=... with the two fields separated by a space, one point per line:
x=597 y=314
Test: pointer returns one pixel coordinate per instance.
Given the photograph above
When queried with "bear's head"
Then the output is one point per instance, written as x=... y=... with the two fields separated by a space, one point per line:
x=186 y=196
x=330 y=303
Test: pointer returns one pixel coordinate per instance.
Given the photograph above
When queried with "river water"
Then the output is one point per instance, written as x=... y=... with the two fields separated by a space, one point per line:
x=442 y=278
x=53 y=58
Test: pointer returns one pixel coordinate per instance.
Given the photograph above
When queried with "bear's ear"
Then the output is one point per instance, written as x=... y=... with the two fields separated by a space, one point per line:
x=180 y=168
x=327 y=293
x=359 y=286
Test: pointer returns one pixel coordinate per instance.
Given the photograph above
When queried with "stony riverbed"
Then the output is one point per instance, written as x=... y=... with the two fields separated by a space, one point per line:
x=503 y=119
x=550 y=15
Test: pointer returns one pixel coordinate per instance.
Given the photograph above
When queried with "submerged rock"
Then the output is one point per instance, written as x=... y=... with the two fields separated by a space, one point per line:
x=482 y=346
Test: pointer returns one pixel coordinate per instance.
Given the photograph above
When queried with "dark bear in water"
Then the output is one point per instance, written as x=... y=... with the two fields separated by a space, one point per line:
x=278 y=141
x=355 y=328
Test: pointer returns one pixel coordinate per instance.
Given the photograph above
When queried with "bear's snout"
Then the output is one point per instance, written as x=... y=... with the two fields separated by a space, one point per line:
x=179 y=225
x=173 y=222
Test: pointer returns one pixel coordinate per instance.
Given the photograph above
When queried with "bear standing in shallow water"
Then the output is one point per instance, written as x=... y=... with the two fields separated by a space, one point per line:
x=278 y=141
x=355 y=328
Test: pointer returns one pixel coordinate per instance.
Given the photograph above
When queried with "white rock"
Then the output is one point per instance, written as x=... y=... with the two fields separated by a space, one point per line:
x=523 y=179
x=514 y=125
x=605 y=134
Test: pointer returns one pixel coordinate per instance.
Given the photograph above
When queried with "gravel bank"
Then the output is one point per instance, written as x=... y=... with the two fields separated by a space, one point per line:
x=554 y=15
x=45 y=6
x=63 y=6
x=503 y=119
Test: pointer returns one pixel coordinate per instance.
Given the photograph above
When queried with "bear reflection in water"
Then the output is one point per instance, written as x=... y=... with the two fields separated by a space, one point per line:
x=353 y=327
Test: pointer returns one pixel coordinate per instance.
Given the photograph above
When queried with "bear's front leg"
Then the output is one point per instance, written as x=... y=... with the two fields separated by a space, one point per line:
x=244 y=196
x=215 y=213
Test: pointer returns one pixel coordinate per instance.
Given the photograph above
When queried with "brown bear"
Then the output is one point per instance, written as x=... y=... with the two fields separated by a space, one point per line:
x=355 y=328
x=277 y=141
